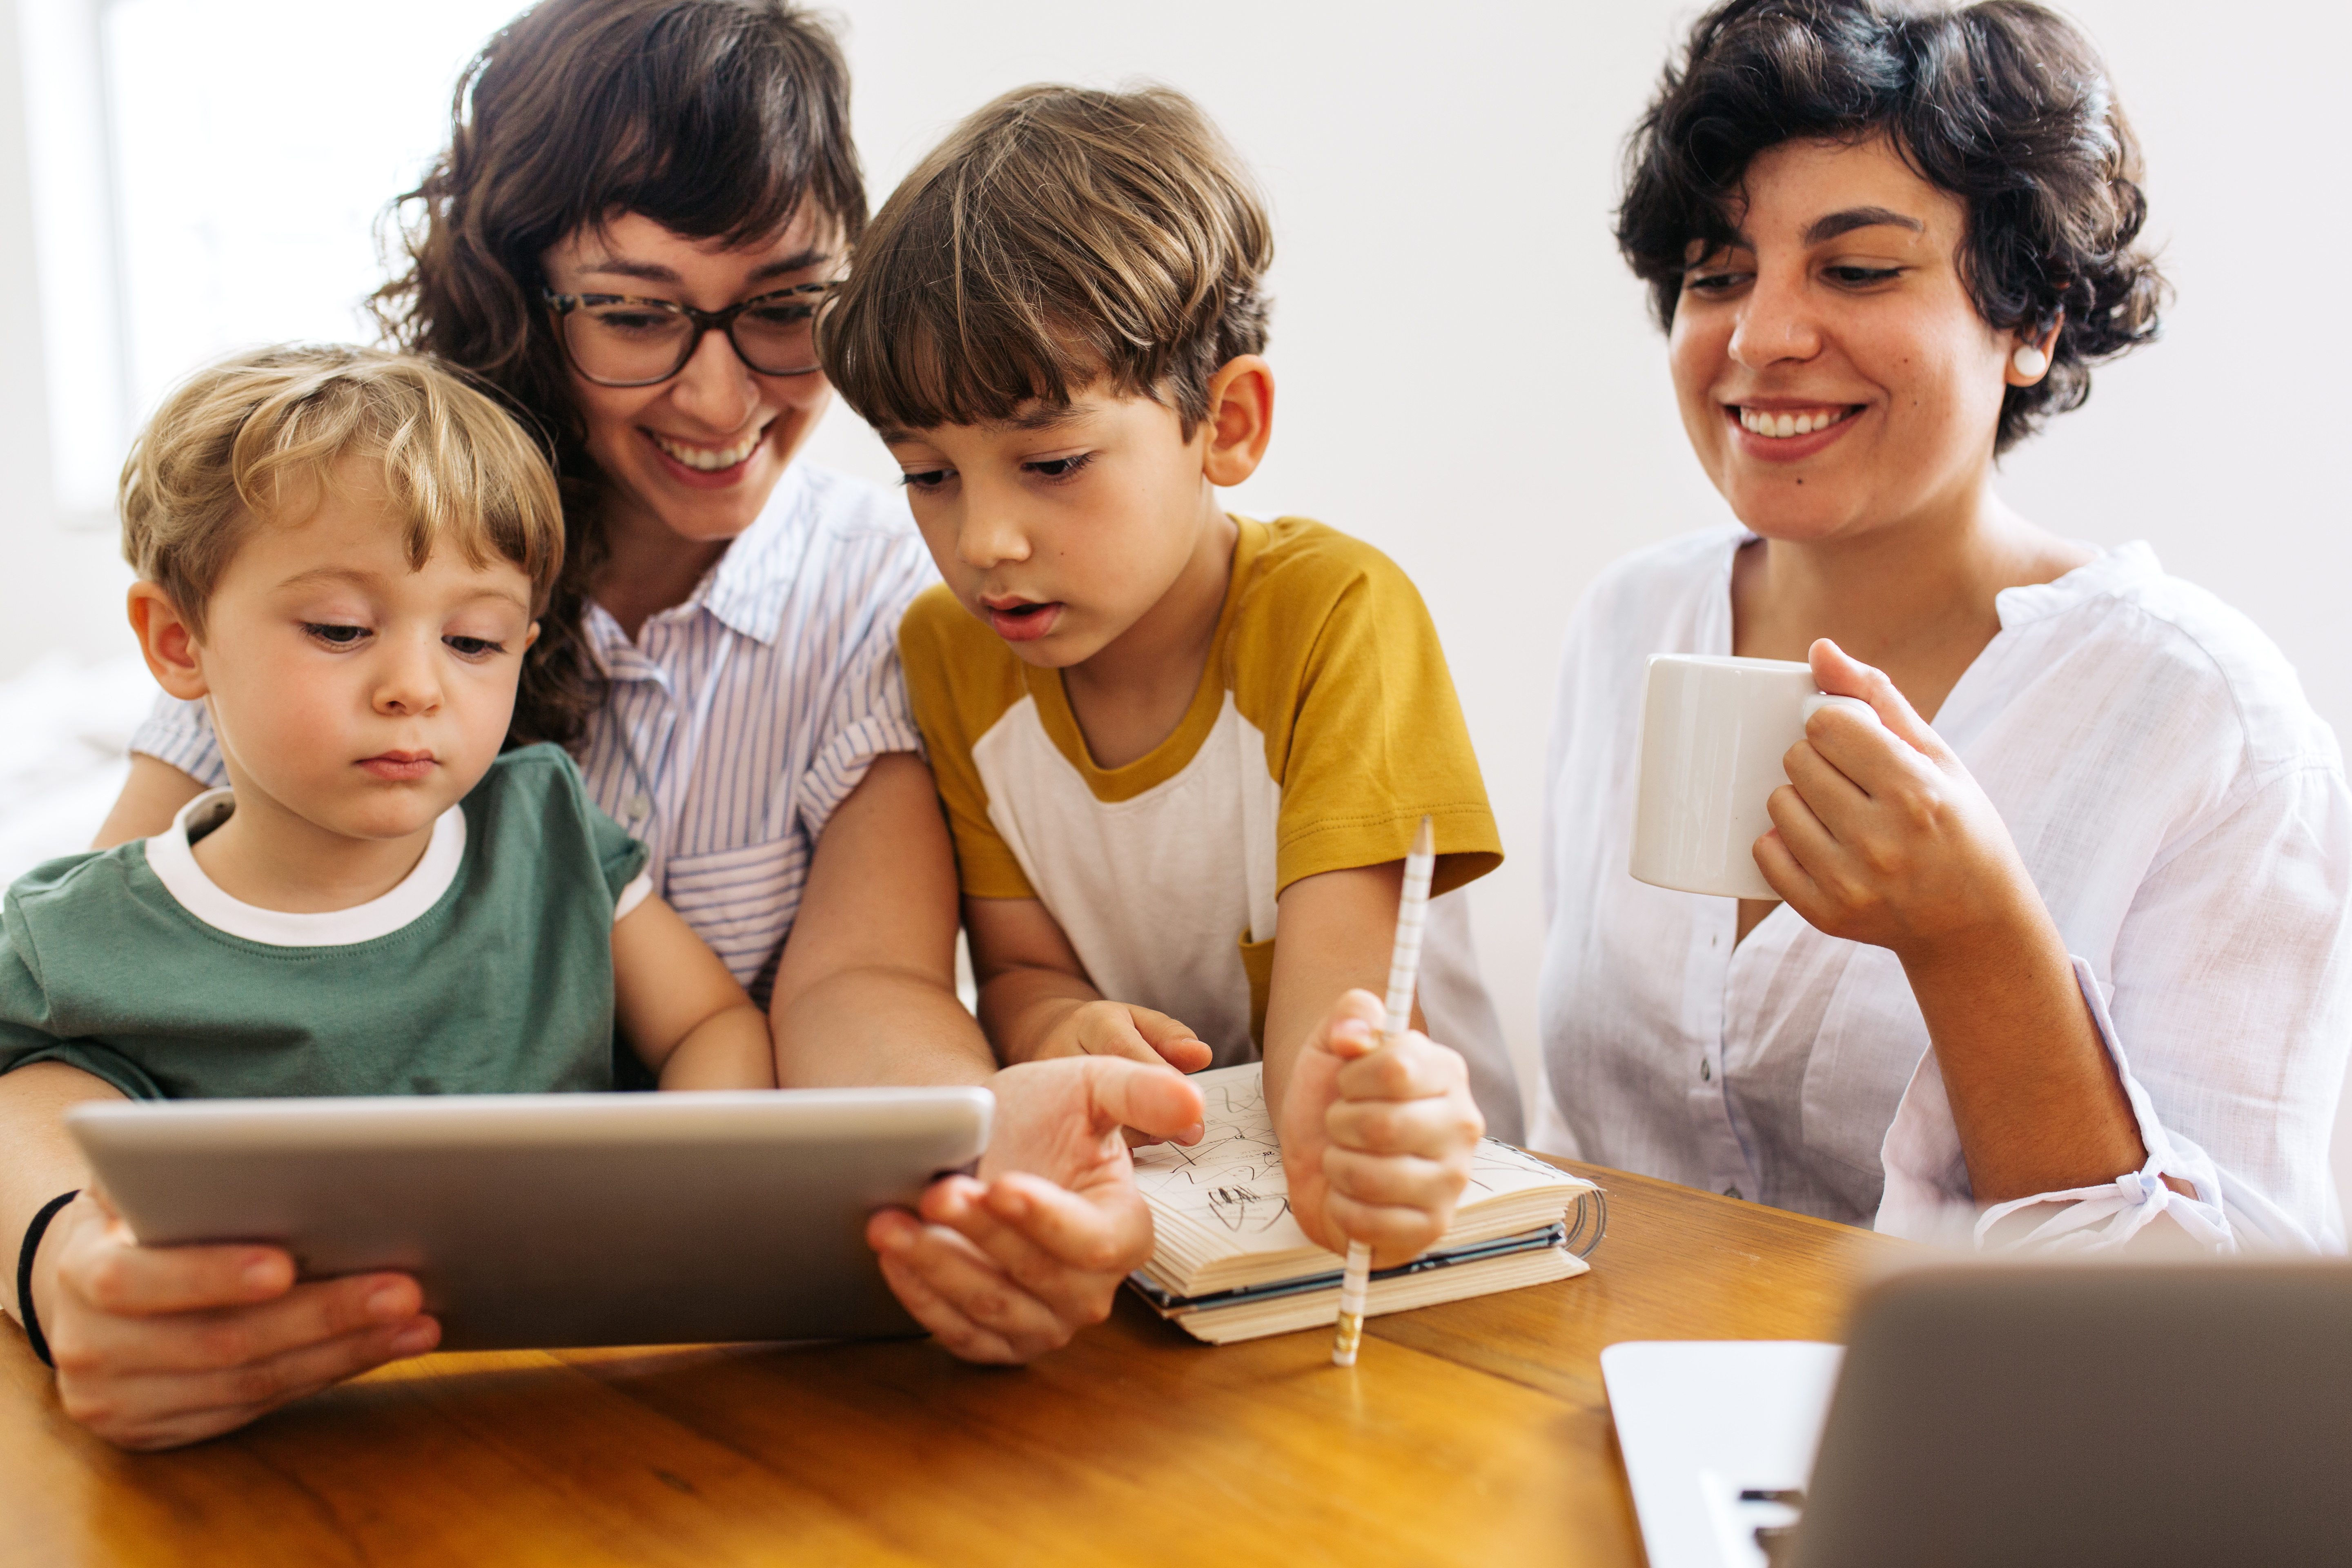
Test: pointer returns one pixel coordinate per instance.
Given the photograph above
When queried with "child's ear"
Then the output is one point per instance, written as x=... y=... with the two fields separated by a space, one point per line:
x=1241 y=419
x=167 y=641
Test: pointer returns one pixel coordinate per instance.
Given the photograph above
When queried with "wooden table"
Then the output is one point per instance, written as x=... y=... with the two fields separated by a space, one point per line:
x=1476 y=1432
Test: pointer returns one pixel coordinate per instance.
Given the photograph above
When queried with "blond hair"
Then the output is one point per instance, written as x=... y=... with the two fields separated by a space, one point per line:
x=252 y=435
x=1058 y=236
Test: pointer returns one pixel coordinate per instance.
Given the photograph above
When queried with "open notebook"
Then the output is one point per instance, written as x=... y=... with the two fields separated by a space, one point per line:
x=1230 y=1262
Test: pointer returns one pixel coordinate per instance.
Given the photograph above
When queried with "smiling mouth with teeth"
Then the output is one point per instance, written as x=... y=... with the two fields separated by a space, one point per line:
x=710 y=459
x=1783 y=425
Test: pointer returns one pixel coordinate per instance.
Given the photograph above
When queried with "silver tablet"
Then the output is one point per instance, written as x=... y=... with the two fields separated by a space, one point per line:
x=558 y=1219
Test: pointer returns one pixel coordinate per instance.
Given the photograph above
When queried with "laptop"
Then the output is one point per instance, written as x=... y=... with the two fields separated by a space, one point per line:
x=547 y=1221
x=2018 y=1415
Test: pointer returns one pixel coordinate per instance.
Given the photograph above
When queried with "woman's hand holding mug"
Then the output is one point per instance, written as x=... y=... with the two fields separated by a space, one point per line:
x=1881 y=835
x=1817 y=784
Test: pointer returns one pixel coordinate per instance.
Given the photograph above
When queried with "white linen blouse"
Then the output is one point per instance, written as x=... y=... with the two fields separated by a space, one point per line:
x=2183 y=814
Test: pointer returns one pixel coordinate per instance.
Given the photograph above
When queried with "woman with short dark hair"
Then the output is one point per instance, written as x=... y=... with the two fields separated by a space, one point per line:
x=2074 y=957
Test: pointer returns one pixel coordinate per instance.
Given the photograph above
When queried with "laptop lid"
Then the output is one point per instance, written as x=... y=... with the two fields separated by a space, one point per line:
x=2087 y=1415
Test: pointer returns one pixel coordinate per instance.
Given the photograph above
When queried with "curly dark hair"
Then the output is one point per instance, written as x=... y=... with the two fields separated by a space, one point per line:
x=2004 y=104
x=717 y=119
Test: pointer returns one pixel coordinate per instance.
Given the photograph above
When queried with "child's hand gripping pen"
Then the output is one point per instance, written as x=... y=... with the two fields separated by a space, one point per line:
x=1404 y=969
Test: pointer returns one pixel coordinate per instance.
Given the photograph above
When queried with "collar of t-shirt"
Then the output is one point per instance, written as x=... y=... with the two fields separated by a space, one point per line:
x=172 y=856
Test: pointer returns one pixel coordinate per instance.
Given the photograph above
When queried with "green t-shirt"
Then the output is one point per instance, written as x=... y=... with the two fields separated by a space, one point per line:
x=488 y=969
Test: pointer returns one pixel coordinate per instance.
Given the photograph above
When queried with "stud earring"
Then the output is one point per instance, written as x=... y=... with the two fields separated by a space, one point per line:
x=2030 y=361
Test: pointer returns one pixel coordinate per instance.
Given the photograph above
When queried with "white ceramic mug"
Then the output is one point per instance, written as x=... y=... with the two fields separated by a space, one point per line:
x=1714 y=731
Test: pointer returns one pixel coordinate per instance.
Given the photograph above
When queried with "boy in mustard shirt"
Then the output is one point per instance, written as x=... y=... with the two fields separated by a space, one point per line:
x=1161 y=732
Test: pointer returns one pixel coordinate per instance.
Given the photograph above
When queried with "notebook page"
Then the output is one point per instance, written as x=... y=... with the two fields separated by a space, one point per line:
x=1229 y=1188
x=1230 y=1184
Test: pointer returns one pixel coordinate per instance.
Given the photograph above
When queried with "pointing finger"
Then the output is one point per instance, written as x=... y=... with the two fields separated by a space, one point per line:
x=1154 y=1098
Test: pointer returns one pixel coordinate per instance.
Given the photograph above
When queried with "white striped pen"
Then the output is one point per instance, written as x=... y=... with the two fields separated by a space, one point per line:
x=1404 y=971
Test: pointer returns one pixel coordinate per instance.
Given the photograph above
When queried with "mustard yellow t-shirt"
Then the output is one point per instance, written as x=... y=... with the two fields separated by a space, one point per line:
x=1324 y=728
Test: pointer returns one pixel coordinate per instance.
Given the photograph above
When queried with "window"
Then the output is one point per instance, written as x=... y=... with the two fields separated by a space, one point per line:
x=209 y=174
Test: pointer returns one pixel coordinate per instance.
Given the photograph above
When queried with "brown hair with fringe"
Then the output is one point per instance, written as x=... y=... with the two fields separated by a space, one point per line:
x=257 y=437
x=717 y=119
x=1058 y=236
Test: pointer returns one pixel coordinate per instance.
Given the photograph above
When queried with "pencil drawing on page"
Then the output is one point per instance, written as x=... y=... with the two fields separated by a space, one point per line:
x=1232 y=1179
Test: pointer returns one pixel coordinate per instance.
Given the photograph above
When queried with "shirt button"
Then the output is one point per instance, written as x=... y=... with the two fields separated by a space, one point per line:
x=1734 y=1193
x=1705 y=1070
x=638 y=807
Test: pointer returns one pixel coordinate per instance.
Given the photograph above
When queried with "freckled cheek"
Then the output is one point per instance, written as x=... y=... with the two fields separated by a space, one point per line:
x=1926 y=377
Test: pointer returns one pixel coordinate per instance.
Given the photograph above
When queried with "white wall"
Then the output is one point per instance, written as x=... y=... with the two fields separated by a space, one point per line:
x=60 y=589
x=1467 y=377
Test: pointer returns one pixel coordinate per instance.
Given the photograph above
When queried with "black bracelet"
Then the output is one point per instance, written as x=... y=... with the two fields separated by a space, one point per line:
x=33 y=1234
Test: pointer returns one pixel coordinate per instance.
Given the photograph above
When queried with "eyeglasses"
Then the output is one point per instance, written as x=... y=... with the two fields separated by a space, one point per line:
x=618 y=340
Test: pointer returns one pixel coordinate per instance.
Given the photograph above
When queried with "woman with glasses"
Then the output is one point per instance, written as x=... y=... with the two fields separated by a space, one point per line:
x=642 y=204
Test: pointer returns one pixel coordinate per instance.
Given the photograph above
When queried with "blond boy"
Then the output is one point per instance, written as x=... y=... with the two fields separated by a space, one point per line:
x=1162 y=732
x=344 y=554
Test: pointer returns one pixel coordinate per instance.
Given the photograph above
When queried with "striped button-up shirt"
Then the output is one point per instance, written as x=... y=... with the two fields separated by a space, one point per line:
x=738 y=720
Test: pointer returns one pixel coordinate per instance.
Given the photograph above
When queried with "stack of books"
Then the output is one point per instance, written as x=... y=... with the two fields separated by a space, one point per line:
x=1231 y=1263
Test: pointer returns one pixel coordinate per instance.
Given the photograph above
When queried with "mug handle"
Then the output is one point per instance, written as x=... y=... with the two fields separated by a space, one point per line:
x=1820 y=700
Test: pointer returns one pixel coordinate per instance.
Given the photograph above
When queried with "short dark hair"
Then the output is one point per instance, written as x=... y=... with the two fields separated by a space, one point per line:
x=1058 y=235
x=717 y=119
x=2003 y=104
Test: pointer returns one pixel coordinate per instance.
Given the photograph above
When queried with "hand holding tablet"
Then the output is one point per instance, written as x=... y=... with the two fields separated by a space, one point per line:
x=552 y=1220
x=1007 y=1266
